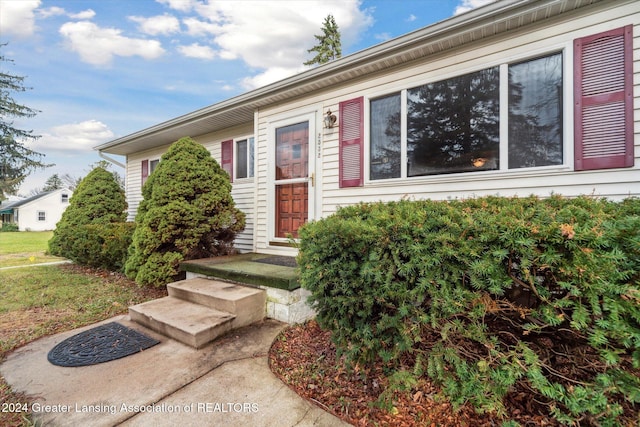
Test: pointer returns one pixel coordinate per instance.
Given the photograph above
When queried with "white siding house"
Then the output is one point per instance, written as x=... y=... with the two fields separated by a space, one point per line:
x=38 y=213
x=518 y=97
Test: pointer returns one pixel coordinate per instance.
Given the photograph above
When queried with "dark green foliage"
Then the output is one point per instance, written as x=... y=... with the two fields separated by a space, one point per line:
x=187 y=213
x=329 y=46
x=9 y=226
x=486 y=295
x=98 y=200
x=103 y=245
x=16 y=159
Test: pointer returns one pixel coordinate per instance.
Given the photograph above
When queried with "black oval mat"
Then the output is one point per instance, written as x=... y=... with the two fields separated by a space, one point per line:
x=103 y=343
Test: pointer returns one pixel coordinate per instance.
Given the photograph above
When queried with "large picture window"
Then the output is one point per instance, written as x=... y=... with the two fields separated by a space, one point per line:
x=453 y=125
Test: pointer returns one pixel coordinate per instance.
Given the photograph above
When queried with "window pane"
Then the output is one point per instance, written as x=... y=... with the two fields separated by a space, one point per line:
x=241 y=159
x=251 y=156
x=385 y=138
x=153 y=164
x=453 y=125
x=535 y=112
x=292 y=148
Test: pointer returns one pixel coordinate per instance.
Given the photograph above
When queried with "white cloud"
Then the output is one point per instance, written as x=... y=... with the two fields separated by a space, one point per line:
x=198 y=51
x=84 y=15
x=383 y=36
x=98 y=46
x=74 y=137
x=154 y=25
x=412 y=18
x=274 y=36
x=197 y=28
x=58 y=11
x=181 y=5
x=467 y=5
x=51 y=11
x=272 y=74
x=17 y=17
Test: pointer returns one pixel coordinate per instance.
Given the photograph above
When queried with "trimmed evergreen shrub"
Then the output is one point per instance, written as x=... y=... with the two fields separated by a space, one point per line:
x=9 y=226
x=98 y=200
x=103 y=245
x=187 y=213
x=486 y=296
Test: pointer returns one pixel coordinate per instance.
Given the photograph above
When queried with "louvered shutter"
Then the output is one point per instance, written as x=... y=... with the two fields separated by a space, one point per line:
x=145 y=171
x=351 y=143
x=227 y=157
x=604 y=100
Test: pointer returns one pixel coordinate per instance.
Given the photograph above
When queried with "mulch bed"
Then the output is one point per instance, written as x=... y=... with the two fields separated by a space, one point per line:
x=304 y=358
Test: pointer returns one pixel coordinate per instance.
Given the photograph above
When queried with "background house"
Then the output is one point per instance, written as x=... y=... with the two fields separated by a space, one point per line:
x=518 y=97
x=38 y=213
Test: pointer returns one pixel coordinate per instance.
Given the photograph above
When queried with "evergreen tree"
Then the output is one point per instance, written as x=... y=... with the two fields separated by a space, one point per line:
x=329 y=46
x=187 y=212
x=16 y=160
x=54 y=182
x=97 y=200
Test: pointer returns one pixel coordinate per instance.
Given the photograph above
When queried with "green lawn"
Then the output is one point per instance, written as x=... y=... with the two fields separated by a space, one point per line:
x=25 y=248
x=39 y=301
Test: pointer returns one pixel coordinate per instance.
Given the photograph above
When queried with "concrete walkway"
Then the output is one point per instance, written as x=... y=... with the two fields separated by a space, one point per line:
x=226 y=383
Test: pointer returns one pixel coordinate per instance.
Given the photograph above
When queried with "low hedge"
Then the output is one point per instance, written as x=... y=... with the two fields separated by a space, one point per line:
x=487 y=296
x=99 y=245
x=9 y=227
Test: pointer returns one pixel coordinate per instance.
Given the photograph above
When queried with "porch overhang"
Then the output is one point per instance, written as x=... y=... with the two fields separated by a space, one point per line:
x=482 y=23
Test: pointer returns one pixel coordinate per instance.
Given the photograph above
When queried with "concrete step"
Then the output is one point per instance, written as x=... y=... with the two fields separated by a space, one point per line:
x=184 y=321
x=245 y=303
x=245 y=268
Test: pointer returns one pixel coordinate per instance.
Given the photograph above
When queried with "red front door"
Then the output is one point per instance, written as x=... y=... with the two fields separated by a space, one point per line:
x=292 y=172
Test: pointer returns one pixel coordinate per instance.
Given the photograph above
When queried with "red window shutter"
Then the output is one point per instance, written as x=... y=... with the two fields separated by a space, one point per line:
x=145 y=171
x=351 y=143
x=603 y=110
x=227 y=157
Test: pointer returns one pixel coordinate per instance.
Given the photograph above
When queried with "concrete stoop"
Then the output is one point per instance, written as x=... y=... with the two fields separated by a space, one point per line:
x=199 y=310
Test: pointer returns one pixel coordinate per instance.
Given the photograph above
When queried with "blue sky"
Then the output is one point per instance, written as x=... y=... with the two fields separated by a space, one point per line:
x=103 y=69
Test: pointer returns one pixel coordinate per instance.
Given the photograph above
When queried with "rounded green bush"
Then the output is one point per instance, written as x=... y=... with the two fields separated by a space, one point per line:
x=478 y=295
x=187 y=213
x=96 y=209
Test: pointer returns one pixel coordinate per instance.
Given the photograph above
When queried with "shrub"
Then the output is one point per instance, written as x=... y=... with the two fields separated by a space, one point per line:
x=487 y=295
x=103 y=245
x=9 y=226
x=98 y=200
x=187 y=213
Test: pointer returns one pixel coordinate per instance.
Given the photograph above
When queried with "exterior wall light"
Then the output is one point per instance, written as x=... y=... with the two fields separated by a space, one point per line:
x=329 y=119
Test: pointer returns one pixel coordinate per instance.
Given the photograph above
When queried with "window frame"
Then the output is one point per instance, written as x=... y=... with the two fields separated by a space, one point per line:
x=41 y=216
x=564 y=48
x=250 y=166
x=64 y=198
